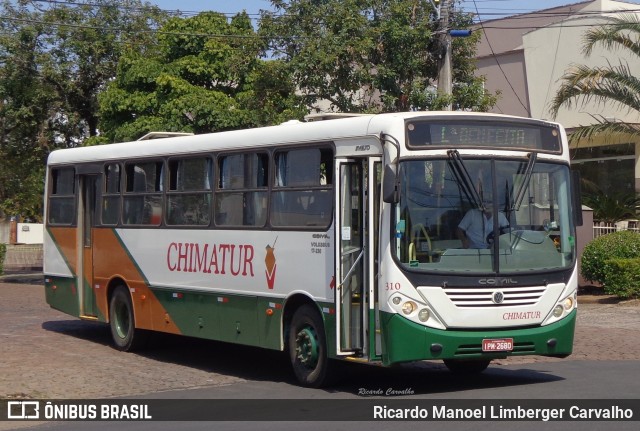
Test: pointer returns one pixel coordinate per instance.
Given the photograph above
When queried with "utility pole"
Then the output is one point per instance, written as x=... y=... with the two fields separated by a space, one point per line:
x=444 y=68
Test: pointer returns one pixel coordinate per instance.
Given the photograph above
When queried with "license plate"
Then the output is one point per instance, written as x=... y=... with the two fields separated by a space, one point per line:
x=497 y=345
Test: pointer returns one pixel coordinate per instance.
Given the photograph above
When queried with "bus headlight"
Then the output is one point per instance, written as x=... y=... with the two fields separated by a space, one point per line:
x=415 y=310
x=562 y=308
x=568 y=303
x=423 y=315
x=558 y=310
x=409 y=307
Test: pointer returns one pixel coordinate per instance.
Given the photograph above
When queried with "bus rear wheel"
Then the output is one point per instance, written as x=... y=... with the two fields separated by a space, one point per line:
x=308 y=348
x=469 y=366
x=126 y=337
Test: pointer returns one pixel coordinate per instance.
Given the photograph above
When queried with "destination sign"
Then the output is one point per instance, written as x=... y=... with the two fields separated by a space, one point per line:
x=483 y=134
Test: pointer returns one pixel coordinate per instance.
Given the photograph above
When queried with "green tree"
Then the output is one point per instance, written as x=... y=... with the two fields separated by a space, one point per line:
x=615 y=84
x=204 y=75
x=371 y=55
x=25 y=108
x=54 y=60
x=84 y=53
x=611 y=207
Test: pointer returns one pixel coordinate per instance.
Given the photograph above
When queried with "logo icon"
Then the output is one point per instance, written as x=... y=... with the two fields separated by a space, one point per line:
x=23 y=410
x=270 y=264
x=498 y=297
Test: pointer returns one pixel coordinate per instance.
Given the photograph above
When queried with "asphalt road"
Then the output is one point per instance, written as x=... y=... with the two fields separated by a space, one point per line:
x=46 y=354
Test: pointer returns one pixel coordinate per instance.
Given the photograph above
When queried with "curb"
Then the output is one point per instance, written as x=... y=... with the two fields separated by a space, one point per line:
x=23 y=278
x=606 y=300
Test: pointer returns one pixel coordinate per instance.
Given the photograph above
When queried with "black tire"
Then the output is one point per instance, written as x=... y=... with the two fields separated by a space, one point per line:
x=470 y=366
x=308 y=348
x=122 y=322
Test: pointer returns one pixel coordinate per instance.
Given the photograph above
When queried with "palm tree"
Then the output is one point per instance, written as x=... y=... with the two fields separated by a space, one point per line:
x=611 y=207
x=611 y=84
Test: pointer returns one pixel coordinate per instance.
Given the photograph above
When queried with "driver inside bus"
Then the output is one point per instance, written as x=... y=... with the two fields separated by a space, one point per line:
x=476 y=228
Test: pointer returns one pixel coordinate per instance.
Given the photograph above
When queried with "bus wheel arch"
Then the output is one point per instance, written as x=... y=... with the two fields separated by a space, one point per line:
x=126 y=337
x=292 y=304
x=306 y=341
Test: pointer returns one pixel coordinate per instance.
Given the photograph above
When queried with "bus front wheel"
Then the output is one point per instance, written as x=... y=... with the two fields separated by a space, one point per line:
x=460 y=366
x=308 y=347
x=122 y=322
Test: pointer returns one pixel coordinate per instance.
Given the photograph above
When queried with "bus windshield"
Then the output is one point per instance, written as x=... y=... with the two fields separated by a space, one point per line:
x=484 y=215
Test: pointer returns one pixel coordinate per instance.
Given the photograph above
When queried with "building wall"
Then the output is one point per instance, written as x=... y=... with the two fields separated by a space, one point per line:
x=502 y=38
x=30 y=233
x=5 y=231
x=553 y=51
x=536 y=50
x=514 y=98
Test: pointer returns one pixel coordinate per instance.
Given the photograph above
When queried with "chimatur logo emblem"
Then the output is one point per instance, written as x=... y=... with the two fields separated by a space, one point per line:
x=498 y=297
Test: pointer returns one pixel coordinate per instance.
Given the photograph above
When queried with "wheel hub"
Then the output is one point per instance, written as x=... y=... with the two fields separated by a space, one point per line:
x=122 y=320
x=307 y=350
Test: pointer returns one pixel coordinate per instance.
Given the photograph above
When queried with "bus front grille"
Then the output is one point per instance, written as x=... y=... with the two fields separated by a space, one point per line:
x=494 y=297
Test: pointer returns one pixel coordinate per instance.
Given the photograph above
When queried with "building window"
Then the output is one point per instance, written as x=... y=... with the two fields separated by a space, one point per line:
x=609 y=169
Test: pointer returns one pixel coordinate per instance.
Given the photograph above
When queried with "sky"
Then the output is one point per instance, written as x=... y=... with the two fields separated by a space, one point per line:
x=488 y=9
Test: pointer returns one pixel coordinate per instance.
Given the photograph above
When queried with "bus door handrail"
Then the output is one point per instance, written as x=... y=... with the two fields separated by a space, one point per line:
x=353 y=267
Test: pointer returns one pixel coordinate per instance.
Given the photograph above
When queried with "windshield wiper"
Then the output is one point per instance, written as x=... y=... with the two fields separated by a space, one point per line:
x=464 y=179
x=517 y=202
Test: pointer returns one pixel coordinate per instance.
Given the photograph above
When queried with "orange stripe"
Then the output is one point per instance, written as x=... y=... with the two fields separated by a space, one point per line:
x=110 y=261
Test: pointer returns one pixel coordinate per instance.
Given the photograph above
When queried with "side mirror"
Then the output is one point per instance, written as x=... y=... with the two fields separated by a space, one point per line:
x=389 y=186
x=576 y=194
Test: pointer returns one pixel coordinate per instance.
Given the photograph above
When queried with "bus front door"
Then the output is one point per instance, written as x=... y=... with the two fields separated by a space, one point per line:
x=351 y=257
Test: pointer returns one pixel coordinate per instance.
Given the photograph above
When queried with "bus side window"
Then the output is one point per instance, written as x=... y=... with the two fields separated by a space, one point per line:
x=62 y=201
x=111 y=195
x=189 y=194
x=142 y=203
x=241 y=195
x=302 y=195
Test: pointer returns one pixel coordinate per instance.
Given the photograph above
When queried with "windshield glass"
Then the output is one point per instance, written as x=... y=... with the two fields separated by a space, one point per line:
x=484 y=216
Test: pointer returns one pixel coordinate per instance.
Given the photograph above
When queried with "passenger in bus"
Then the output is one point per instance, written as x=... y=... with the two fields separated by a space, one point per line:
x=476 y=228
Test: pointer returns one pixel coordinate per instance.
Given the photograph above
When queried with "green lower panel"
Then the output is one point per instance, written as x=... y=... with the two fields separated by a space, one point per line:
x=405 y=341
x=216 y=316
x=269 y=317
x=329 y=317
x=62 y=294
x=238 y=319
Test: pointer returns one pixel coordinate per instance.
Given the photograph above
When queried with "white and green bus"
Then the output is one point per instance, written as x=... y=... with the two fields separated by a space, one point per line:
x=333 y=240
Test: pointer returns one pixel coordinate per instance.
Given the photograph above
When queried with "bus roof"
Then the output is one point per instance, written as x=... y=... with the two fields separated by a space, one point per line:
x=288 y=133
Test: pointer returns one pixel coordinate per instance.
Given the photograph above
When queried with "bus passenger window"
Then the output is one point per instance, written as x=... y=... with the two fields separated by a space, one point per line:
x=142 y=203
x=62 y=201
x=111 y=195
x=189 y=194
x=303 y=191
x=241 y=195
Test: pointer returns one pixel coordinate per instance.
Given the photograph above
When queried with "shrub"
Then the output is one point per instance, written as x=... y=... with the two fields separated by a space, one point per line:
x=623 y=278
x=617 y=245
x=3 y=252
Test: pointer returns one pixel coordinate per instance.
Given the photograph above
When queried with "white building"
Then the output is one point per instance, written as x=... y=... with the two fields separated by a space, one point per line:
x=525 y=56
